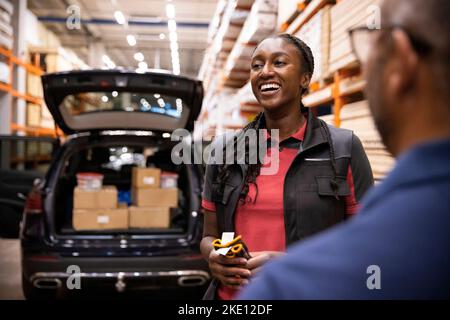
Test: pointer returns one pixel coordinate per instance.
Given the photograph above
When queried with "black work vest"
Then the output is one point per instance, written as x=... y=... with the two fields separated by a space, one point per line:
x=310 y=203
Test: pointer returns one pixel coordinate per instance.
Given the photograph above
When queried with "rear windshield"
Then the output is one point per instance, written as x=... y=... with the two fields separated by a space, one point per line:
x=89 y=102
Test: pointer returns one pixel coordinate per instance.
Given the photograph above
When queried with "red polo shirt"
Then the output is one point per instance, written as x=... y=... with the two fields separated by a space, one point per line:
x=261 y=222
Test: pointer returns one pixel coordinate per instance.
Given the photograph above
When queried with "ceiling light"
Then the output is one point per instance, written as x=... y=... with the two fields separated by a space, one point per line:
x=170 y=11
x=174 y=46
x=173 y=36
x=115 y=94
x=139 y=56
x=120 y=18
x=157 y=95
x=104 y=98
x=166 y=135
x=131 y=40
x=162 y=36
x=172 y=25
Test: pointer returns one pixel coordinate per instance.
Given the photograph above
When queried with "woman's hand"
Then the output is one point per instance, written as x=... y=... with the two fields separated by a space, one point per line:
x=231 y=273
x=259 y=259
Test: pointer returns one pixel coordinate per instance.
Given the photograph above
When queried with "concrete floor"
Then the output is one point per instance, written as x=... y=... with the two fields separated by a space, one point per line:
x=10 y=282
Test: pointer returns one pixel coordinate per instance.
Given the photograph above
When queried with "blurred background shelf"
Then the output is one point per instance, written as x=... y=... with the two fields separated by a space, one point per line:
x=337 y=87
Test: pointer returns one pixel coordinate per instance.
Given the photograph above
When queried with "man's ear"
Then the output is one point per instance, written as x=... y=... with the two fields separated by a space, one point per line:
x=404 y=64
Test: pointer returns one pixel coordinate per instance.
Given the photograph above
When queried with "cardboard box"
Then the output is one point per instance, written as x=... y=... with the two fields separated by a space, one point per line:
x=100 y=219
x=146 y=177
x=103 y=199
x=155 y=197
x=149 y=217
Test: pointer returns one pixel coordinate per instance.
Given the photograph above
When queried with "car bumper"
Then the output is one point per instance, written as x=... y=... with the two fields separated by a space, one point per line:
x=184 y=275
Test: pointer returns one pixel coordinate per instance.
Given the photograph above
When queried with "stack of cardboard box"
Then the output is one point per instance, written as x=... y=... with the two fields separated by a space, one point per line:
x=151 y=203
x=98 y=210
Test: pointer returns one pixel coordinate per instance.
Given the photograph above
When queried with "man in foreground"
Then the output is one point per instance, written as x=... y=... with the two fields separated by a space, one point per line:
x=398 y=247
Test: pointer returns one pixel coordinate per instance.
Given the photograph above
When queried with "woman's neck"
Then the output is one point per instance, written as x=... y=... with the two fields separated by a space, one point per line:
x=286 y=121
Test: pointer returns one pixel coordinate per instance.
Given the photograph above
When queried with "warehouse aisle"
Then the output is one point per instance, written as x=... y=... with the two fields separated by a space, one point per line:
x=10 y=282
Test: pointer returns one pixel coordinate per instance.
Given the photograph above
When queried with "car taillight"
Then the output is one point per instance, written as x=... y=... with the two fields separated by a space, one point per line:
x=33 y=204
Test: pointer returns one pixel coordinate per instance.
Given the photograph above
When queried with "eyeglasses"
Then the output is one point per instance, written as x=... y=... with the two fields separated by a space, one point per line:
x=362 y=42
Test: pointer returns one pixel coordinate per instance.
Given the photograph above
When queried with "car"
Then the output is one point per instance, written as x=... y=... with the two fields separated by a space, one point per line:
x=23 y=159
x=115 y=120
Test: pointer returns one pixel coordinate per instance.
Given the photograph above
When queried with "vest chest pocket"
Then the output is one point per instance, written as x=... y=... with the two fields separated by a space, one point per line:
x=324 y=187
x=222 y=197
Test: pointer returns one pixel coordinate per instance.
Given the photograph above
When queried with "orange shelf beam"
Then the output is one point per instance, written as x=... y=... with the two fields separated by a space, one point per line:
x=5 y=87
x=29 y=67
x=36 y=131
x=26 y=97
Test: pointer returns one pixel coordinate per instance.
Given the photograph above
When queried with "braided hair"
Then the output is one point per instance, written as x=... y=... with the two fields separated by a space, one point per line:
x=305 y=53
x=253 y=170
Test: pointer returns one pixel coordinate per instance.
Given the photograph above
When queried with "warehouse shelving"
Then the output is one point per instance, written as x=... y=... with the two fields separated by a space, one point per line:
x=338 y=83
x=8 y=88
x=308 y=12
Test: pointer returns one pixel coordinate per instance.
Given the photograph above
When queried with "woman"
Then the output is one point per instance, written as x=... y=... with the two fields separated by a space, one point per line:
x=323 y=172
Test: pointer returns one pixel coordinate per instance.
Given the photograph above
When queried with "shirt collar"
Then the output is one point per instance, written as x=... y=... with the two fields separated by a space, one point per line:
x=298 y=135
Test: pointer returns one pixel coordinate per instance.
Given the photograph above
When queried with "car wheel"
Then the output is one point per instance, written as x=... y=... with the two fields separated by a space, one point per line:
x=32 y=293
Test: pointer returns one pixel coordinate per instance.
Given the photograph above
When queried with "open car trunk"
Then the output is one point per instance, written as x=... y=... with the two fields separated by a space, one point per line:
x=118 y=120
x=115 y=157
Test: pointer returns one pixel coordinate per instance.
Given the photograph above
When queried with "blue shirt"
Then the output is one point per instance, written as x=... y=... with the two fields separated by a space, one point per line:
x=399 y=242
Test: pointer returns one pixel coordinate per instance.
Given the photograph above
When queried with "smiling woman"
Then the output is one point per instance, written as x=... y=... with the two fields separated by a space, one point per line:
x=323 y=172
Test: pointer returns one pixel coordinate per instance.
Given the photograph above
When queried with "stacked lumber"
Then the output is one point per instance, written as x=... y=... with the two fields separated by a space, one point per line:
x=4 y=70
x=46 y=118
x=357 y=117
x=319 y=97
x=345 y=15
x=261 y=22
x=316 y=34
x=288 y=10
x=34 y=85
x=33 y=115
x=6 y=30
x=329 y=119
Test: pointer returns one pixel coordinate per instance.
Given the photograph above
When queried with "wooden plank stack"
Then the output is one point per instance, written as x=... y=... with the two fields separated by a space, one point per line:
x=34 y=85
x=47 y=118
x=316 y=34
x=4 y=70
x=33 y=115
x=345 y=15
x=261 y=22
x=287 y=12
x=6 y=30
x=329 y=119
x=357 y=117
